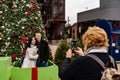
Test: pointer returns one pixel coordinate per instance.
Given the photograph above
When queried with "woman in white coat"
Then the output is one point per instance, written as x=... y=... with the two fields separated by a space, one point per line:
x=31 y=54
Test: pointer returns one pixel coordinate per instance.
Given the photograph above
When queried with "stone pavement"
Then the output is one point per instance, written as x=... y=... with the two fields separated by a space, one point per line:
x=54 y=47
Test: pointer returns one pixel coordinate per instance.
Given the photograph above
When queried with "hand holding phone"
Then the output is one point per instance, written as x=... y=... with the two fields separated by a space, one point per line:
x=79 y=51
x=74 y=45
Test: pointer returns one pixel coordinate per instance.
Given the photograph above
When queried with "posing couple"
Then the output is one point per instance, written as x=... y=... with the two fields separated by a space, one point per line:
x=37 y=52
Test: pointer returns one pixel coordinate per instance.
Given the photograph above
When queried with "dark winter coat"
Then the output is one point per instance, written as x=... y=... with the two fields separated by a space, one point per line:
x=43 y=51
x=83 y=68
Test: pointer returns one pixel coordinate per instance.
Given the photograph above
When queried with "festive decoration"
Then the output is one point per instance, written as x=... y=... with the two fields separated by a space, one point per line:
x=0 y=1
x=23 y=38
x=34 y=74
x=24 y=51
x=19 y=19
x=41 y=73
x=34 y=6
x=0 y=42
x=13 y=56
x=27 y=12
x=11 y=5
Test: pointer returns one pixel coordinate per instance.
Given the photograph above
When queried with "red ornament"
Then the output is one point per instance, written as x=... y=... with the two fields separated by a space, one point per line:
x=34 y=6
x=13 y=57
x=30 y=27
x=11 y=5
x=24 y=52
x=22 y=3
x=23 y=38
x=13 y=36
x=27 y=12
x=0 y=1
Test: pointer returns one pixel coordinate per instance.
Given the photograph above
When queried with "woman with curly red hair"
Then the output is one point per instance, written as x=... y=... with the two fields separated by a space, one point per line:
x=83 y=67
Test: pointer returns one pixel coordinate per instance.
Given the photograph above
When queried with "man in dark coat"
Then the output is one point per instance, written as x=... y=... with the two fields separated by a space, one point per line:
x=43 y=51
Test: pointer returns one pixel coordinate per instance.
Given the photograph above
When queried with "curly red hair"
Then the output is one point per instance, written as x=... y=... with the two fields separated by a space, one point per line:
x=95 y=36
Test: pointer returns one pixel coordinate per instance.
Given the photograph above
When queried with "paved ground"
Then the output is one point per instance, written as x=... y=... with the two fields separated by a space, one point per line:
x=54 y=47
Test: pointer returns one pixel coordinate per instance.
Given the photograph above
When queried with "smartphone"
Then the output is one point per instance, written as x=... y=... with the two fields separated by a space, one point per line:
x=73 y=45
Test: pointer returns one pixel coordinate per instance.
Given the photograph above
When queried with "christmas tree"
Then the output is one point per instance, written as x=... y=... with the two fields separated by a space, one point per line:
x=18 y=19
